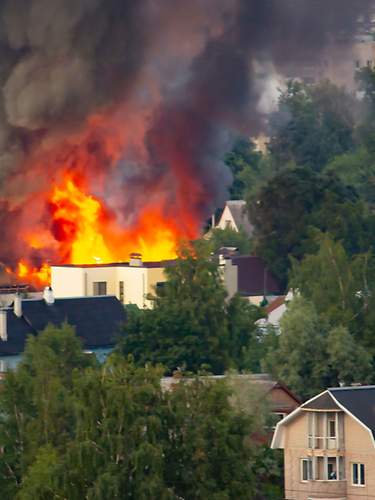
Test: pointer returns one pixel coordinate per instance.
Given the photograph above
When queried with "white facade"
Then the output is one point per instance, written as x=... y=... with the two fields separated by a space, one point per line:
x=235 y=217
x=130 y=284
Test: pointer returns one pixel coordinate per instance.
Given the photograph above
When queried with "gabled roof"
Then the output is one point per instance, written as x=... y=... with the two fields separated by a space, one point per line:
x=275 y=304
x=254 y=278
x=96 y=319
x=358 y=402
x=238 y=211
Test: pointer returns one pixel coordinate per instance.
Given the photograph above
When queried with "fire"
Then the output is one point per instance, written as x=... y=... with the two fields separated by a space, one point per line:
x=72 y=225
x=86 y=232
x=33 y=274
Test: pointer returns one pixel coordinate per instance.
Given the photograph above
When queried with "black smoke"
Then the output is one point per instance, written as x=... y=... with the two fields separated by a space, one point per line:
x=191 y=73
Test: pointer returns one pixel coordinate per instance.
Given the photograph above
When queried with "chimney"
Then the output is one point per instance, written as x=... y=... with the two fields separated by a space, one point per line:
x=48 y=296
x=3 y=325
x=135 y=260
x=17 y=305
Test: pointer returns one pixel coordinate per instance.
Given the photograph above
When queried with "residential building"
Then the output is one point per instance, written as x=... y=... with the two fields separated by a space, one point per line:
x=249 y=276
x=275 y=311
x=97 y=321
x=131 y=282
x=329 y=446
x=235 y=216
x=280 y=399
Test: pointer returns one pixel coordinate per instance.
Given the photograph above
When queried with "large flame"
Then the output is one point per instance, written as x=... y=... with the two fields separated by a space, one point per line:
x=79 y=227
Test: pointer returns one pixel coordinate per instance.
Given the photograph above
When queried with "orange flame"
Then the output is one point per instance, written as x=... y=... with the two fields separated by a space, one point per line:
x=87 y=233
x=80 y=228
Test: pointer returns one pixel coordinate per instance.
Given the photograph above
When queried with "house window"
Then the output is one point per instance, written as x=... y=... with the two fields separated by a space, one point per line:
x=121 y=291
x=358 y=474
x=306 y=469
x=100 y=288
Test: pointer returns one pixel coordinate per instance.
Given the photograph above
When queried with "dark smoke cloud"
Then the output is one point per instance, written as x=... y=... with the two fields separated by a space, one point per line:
x=186 y=73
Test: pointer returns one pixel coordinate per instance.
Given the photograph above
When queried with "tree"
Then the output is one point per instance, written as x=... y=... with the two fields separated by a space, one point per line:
x=357 y=169
x=312 y=355
x=229 y=237
x=190 y=326
x=122 y=436
x=292 y=204
x=313 y=125
x=339 y=285
x=35 y=404
x=348 y=359
x=244 y=163
x=299 y=360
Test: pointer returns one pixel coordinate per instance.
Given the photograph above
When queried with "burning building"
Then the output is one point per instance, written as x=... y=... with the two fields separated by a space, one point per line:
x=115 y=116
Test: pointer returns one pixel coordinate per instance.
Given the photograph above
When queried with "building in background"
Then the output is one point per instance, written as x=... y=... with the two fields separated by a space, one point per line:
x=329 y=446
x=280 y=399
x=97 y=322
x=249 y=276
x=131 y=282
x=235 y=217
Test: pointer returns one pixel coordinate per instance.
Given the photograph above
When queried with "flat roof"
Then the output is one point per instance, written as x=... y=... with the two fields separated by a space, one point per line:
x=162 y=263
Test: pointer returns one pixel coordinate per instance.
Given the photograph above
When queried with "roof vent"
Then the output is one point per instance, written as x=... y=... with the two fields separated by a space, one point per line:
x=135 y=260
x=48 y=296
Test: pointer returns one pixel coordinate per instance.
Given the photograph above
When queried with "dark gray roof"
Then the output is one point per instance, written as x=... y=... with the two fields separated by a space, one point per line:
x=239 y=213
x=359 y=401
x=323 y=402
x=97 y=320
x=254 y=278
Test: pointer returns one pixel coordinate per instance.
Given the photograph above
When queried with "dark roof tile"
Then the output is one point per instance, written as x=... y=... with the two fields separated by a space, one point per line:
x=97 y=320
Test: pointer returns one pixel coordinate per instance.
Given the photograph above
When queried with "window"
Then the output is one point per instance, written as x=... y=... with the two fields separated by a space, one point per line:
x=358 y=474
x=306 y=469
x=121 y=291
x=100 y=288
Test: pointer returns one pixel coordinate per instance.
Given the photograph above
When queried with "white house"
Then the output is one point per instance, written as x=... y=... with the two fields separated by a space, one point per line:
x=130 y=282
x=235 y=216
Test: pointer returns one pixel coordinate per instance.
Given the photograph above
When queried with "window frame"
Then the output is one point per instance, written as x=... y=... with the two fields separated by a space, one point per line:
x=359 y=466
x=309 y=468
x=96 y=288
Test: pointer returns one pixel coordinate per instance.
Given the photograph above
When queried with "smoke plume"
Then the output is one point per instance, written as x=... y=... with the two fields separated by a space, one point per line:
x=170 y=82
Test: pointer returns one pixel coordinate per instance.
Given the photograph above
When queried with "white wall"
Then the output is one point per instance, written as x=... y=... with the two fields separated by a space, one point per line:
x=226 y=220
x=79 y=281
x=68 y=281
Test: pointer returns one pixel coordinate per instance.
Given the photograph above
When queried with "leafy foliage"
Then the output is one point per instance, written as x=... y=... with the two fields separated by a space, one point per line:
x=119 y=435
x=293 y=204
x=229 y=237
x=192 y=326
x=313 y=125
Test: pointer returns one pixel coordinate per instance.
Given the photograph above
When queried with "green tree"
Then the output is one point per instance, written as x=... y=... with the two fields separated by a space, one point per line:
x=296 y=201
x=339 y=285
x=122 y=436
x=312 y=355
x=35 y=403
x=299 y=359
x=229 y=237
x=314 y=124
x=192 y=325
x=244 y=163
x=349 y=361
x=357 y=169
